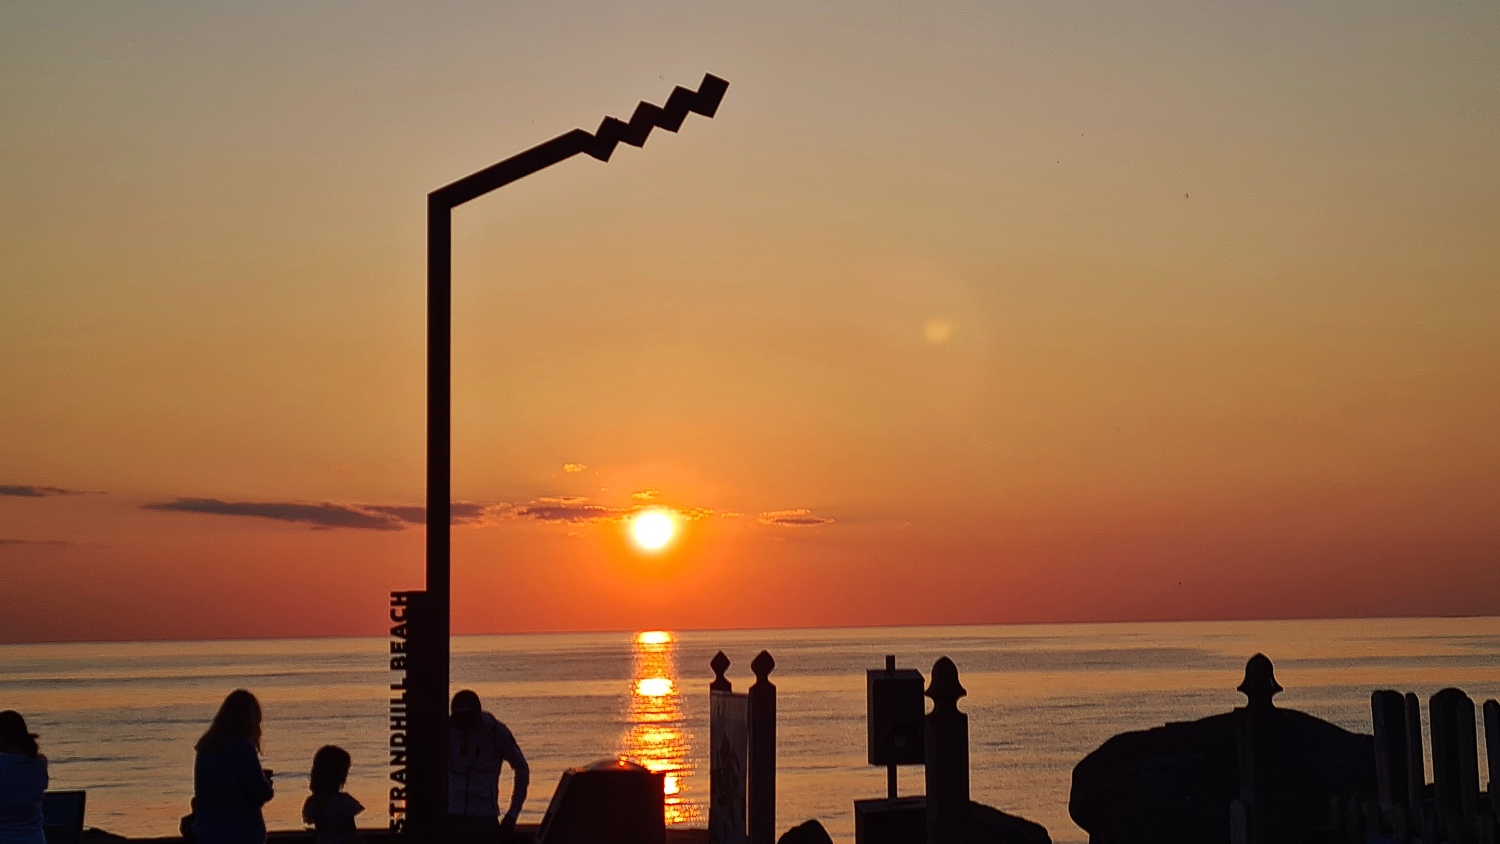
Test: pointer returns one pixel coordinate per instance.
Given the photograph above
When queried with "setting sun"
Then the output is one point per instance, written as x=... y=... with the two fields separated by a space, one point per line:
x=652 y=529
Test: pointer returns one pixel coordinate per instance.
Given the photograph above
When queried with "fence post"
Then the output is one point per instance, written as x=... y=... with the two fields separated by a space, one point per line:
x=728 y=742
x=1416 y=769
x=1388 y=712
x=1455 y=764
x=1492 y=752
x=762 y=752
x=946 y=736
x=1468 y=760
x=1354 y=822
x=1239 y=833
x=1254 y=743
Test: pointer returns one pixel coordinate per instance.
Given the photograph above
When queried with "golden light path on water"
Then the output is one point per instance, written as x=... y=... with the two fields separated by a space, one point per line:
x=656 y=732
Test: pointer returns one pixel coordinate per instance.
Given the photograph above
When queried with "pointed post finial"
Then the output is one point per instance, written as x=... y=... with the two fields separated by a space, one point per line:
x=1259 y=685
x=720 y=664
x=944 y=688
x=762 y=666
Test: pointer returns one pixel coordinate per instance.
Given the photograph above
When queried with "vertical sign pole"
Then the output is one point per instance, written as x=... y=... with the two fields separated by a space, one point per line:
x=428 y=647
x=430 y=783
x=439 y=402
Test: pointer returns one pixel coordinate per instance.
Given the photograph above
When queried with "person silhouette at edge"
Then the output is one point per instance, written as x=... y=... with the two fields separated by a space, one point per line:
x=229 y=786
x=23 y=781
x=478 y=744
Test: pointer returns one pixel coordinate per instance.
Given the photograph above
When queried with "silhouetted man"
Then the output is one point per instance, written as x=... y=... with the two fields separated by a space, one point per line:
x=478 y=744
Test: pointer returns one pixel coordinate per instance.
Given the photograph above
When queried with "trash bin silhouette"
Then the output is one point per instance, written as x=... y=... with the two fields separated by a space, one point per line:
x=612 y=800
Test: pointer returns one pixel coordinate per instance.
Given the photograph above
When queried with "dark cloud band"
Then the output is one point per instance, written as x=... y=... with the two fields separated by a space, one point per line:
x=326 y=514
x=36 y=491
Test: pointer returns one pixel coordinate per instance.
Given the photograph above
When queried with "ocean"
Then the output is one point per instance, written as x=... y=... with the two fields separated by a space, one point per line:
x=120 y=719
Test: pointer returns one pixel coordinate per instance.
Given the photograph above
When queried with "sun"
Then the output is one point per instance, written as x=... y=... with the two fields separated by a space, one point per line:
x=652 y=529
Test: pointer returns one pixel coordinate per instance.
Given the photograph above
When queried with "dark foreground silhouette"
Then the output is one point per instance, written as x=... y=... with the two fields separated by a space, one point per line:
x=1176 y=783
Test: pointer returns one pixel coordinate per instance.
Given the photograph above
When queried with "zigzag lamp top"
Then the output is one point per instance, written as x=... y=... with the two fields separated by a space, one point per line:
x=612 y=131
x=600 y=144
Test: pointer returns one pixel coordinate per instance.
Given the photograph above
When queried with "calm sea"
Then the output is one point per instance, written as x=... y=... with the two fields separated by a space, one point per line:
x=120 y=719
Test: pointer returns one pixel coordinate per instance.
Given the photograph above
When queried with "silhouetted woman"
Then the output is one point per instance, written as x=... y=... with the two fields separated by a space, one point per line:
x=23 y=778
x=229 y=786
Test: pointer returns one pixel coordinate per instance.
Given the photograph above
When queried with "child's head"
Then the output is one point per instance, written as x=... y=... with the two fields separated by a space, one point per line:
x=330 y=769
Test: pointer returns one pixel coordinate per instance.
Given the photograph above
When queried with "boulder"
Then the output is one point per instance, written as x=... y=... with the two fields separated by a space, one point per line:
x=992 y=826
x=1174 y=783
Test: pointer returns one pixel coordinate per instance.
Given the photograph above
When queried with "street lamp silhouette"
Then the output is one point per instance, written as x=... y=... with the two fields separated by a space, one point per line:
x=427 y=683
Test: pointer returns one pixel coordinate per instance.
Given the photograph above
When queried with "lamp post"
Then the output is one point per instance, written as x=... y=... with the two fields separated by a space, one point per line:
x=428 y=771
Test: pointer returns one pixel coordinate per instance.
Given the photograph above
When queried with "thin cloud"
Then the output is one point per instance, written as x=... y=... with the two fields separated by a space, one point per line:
x=412 y=514
x=646 y=495
x=324 y=515
x=567 y=509
x=577 y=509
x=36 y=491
x=800 y=517
x=573 y=468
x=34 y=543
x=460 y=512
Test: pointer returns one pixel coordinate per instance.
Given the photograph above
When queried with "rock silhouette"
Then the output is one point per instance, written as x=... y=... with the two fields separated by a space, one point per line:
x=1175 y=783
x=992 y=826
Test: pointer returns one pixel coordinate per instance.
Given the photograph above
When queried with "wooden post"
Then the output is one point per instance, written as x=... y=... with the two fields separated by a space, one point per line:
x=1254 y=743
x=1354 y=830
x=1416 y=768
x=762 y=814
x=1371 y=818
x=1492 y=752
x=946 y=745
x=1455 y=764
x=728 y=744
x=1388 y=712
x=1239 y=833
x=1468 y=760
x=1244 y=736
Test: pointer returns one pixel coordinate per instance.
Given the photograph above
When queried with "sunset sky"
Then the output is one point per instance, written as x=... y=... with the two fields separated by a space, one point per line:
x=955 y=313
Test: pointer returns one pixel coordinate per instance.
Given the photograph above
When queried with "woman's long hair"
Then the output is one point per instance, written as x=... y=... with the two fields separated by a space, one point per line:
x=238 y=717
x=13 y=735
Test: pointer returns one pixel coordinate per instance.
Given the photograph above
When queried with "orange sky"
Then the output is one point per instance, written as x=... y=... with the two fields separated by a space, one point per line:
x=1040 y=313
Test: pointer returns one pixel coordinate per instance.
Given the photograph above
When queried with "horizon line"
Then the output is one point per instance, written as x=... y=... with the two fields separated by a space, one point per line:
x=770 y=628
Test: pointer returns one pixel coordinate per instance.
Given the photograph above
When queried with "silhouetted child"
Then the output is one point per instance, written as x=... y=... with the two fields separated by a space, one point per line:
x=328 y=809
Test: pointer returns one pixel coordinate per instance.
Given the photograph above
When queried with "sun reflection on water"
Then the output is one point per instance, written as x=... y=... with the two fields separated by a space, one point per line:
x=656 y=732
